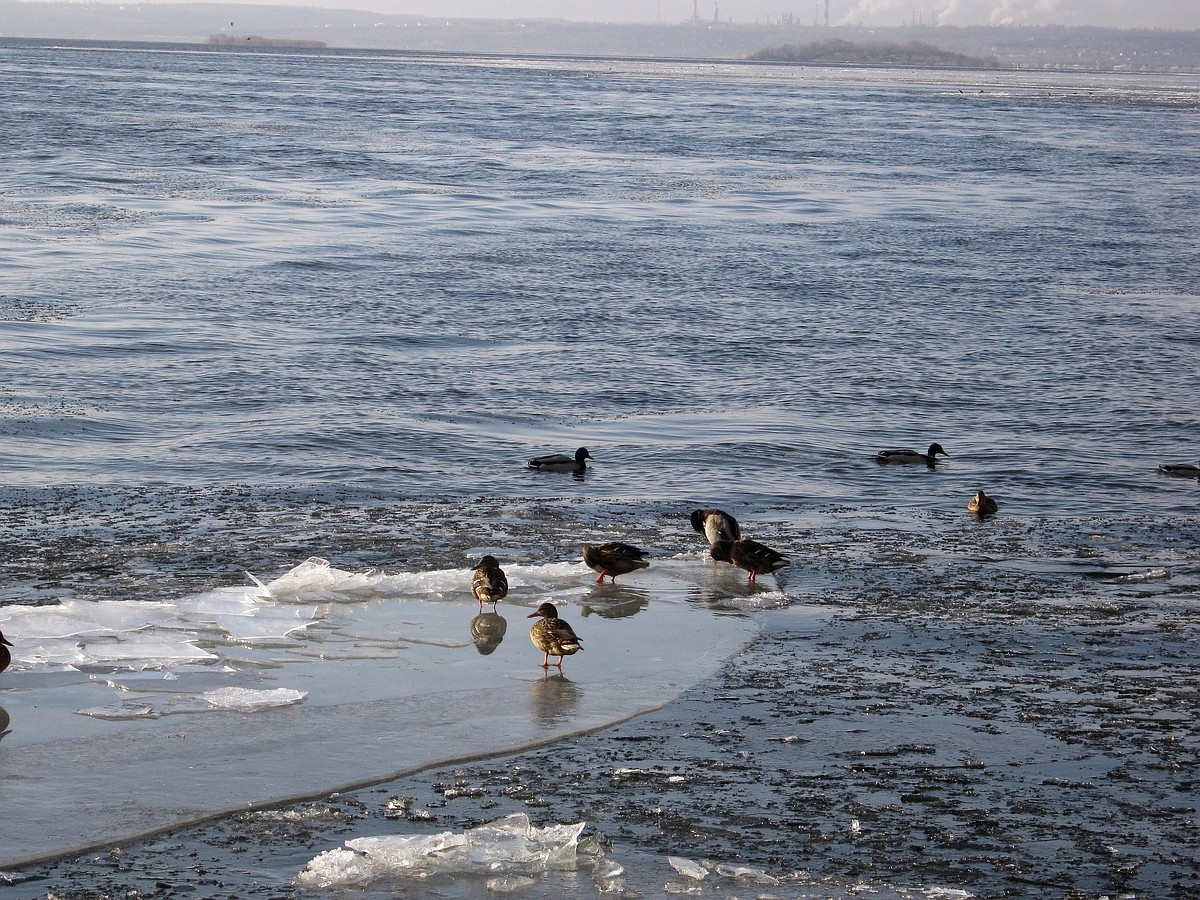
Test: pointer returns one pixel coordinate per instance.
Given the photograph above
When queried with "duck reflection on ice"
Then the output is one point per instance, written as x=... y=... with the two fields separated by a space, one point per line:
x=618 y=604
x=553 y=698
x=487 y=631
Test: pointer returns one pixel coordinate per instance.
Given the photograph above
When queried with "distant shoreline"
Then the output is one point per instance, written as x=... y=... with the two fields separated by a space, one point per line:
x=254 y=40
x=1042 y=48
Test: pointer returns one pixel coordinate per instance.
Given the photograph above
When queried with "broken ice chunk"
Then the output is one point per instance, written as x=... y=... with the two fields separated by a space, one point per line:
x=687 y=868
x=507 y=846
x=249 y=700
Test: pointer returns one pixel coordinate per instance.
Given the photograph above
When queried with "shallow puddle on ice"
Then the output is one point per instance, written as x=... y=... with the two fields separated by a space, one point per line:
x=135 y=716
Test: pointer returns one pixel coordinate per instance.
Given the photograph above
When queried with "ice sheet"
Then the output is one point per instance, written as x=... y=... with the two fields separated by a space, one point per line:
x=135 y=716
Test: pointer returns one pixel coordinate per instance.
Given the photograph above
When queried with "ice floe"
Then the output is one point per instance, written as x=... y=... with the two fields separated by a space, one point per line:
x=350 y=677
x=506 y=847
x=247 y=700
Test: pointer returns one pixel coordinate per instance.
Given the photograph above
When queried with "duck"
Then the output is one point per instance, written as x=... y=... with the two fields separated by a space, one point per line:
x=715 y=525
x=552 y=635
x=1180 y=470
x=982 y=505
x=5 y=656
x=912 y=457
x=560 y=462
x=755 y=558
x=489 y=584
x=613 y=559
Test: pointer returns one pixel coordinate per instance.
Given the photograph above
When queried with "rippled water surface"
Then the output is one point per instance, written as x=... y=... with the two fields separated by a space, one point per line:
x=257 y=307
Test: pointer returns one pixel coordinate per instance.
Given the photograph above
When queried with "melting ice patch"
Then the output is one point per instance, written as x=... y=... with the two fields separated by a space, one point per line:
x=359 y=675
x=508 y=846
x=247 y=700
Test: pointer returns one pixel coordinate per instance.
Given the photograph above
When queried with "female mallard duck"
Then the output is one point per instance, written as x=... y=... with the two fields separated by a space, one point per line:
x=560 y=462
x=613 y=559
x=755 y=558
x=5 y=656
x=1180 y=470
x=912 y=457
x=552 y=635
x=982 y=505
x=488 y=584
x=716 y=525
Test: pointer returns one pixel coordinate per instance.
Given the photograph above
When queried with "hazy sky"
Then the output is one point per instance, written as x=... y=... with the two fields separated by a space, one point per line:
x=1182 y=14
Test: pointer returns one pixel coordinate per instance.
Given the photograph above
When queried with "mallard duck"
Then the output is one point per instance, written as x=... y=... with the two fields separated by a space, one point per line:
x=1180 y=470
x=560 y=462
x=5 y=656
x=716 y=525
x=488 y=584
x=755 y=558
x=912 y=457
x=552 y=635
x=982 y=505
x=613 y=559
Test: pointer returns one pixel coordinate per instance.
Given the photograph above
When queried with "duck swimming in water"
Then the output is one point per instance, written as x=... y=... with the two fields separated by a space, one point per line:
x=489 y=584
x=5 y=656
x=1180 y=470
x=552 y=635
x=560 y=462
x=982 y=505
x=911 y=457
x=613 y=559
x=755 y=558
x=715 y=525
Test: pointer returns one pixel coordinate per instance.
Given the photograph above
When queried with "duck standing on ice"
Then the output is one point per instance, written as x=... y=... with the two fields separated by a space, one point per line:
x=755 y=558
x=613 y=559
x=5 y=656
x=715 y=525
x=552 y=635
x=489 y=584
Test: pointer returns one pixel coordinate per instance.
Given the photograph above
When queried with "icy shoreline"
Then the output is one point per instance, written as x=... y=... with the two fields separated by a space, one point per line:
x=352 y=680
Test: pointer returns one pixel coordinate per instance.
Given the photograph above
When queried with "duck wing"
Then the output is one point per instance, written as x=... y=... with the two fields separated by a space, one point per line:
x=619 y=549
x=489 y=584
x=551 y=459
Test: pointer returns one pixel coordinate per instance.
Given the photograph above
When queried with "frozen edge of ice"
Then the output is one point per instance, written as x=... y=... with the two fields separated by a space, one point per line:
x=325 y=790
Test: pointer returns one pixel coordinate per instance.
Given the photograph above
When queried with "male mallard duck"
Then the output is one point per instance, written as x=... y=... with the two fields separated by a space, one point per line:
x=552 y=635
x=613 y=559
x=982 y=505
x=5 y=656
x=488 y=584
x=716 y=525
x=911 y=456
x=560 y=462
x=755 y=558
x=1180 y=470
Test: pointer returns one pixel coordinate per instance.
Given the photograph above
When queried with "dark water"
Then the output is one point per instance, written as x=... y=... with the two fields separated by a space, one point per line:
x=255 y=307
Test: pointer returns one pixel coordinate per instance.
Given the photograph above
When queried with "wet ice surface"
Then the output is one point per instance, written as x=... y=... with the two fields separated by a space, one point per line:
x=318 y=680
x=947 y=708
